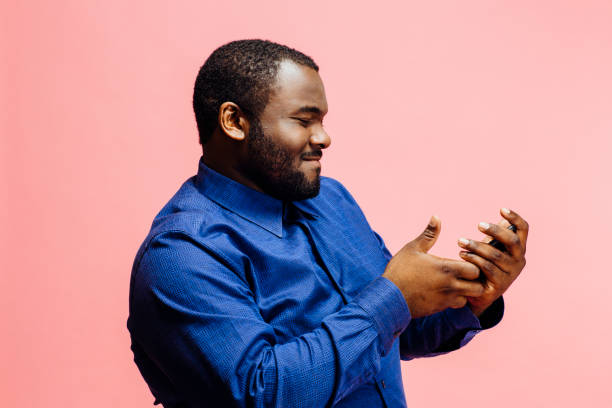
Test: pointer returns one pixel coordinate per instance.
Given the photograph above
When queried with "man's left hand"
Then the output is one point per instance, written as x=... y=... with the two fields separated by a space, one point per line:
x=499 y=268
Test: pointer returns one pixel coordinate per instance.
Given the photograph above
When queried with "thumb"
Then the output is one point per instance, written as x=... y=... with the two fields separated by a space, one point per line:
x=428 y=238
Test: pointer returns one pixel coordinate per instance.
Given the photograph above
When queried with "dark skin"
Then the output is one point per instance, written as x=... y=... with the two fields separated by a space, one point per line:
x=293 y=120
x=500 y=268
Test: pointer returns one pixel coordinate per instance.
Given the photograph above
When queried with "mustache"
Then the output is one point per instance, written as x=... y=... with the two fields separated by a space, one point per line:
x=316 y=154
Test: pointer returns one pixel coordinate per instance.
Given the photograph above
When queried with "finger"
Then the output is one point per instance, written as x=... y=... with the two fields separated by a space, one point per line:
x=460 y=269
x=504 y=223
x=522 y=228
x=489 y=269
x=508 y=238
x=468 y=288
x=428 y=237
x=494 y=255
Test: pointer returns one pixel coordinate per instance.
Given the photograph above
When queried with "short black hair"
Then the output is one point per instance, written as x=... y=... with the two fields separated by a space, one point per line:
x=242 y=72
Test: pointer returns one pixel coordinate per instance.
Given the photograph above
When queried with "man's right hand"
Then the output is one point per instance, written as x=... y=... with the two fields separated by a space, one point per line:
x=431 y=284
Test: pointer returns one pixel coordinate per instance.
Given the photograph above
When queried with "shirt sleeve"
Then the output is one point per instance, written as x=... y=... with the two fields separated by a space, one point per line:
x=445 y=331
x=197 y=320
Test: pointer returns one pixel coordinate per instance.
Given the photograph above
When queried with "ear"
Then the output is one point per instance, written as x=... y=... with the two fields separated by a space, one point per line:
x=232 y=121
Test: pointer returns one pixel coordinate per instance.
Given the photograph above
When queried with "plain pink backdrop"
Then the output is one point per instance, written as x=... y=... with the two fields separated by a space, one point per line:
x=450 y=107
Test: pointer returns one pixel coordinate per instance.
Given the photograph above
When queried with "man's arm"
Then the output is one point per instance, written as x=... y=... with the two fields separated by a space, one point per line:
x=444 y=331
x=197 y=320
x=500 y=269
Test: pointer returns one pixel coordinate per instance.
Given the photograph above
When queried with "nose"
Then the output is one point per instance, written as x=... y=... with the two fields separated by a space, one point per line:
x=320 y=138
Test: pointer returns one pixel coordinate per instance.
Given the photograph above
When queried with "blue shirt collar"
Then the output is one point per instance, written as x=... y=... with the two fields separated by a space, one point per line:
x=254 y=206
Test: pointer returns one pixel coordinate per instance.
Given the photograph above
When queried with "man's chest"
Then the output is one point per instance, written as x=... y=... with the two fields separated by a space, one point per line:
x=312 y=271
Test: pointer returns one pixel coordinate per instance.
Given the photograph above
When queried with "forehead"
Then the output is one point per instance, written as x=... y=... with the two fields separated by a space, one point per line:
x=296 y=86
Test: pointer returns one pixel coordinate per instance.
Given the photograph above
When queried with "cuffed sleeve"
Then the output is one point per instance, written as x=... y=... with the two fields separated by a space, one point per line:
x=446 y=331
x=384 y=302
x=493 y=314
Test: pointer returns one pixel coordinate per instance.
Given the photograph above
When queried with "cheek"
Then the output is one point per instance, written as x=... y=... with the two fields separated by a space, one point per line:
x=292 y=137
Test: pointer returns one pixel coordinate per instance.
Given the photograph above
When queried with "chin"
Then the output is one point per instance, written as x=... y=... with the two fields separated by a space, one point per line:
x=294 y=185
x=308 y=188
x=312 y=175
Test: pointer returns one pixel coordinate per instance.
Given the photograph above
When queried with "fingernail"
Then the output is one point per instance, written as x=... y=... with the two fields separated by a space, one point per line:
x=484 y=225
x=506 y=211
x=464 y=241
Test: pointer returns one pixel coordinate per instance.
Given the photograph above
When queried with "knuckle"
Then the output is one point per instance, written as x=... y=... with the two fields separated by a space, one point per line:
x=429 y=233
x=487 y=266
x=507 y=259
x=446 y=269
x=448 y=289
x=515 y=240
x=497 y=255
x=473 y=270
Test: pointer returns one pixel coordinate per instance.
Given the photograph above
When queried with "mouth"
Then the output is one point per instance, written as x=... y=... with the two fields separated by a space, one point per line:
x=312 y=156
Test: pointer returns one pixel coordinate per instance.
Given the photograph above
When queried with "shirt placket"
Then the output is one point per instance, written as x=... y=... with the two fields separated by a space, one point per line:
x=322 y=257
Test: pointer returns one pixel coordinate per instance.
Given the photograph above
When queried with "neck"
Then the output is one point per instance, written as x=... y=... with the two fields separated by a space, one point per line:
x=223 y=163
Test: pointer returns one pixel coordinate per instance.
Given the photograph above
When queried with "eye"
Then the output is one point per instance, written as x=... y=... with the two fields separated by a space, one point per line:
x=303 y=122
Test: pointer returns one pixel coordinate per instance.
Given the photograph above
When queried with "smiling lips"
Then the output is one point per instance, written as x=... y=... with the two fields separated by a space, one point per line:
x=312 y=156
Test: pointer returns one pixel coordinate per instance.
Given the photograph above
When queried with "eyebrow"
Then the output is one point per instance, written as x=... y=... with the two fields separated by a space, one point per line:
x=309 y=109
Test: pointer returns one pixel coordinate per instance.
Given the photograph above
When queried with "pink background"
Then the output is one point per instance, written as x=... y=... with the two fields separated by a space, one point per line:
x=450 y=107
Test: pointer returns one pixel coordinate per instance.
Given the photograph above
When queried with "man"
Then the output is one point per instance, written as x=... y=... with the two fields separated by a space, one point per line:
x=261 y=283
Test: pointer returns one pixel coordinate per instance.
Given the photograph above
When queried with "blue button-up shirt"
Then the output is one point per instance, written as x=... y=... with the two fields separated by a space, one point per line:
x=239 y=299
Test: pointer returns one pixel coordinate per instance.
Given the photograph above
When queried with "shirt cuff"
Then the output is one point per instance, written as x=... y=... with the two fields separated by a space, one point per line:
x=493 y=314
x=468 y=325
x=385 y=304
x=463 y=318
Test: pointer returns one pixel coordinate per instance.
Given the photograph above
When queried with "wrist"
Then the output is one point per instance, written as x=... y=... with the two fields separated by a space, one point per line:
x=478 y=311
x=478 y=308
x=490 y=315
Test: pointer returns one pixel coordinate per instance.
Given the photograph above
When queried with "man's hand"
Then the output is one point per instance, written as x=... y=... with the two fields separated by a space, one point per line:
x=499 y=268
x=431 y=284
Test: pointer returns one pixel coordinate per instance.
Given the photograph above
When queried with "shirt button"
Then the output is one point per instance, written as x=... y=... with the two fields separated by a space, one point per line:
x=383 y=384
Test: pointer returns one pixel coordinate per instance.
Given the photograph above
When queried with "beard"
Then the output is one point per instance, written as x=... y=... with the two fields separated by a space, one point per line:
x=272 y=168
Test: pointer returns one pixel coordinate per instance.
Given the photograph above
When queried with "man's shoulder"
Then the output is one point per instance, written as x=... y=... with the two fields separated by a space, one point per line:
x=185 y=211
x=185 y=214
x=333 y=186
x=191 y=215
